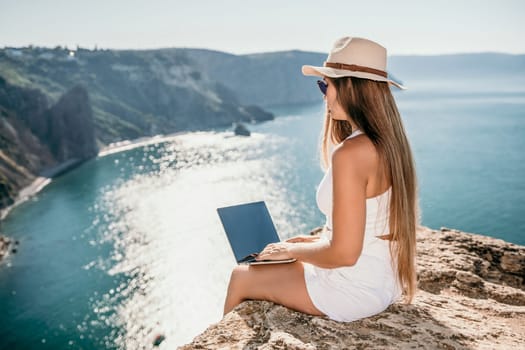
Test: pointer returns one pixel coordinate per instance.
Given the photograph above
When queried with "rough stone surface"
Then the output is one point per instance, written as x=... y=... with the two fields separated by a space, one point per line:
x=471 y=296
x=36 y=138
x=7 y=246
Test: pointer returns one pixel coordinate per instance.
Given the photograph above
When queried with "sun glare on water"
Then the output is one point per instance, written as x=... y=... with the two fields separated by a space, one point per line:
x=167 y=238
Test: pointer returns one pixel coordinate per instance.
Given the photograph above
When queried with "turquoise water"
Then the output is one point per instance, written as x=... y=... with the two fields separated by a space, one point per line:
x=128 y=245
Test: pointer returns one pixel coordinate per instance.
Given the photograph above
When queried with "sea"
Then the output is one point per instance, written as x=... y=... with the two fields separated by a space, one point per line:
x=128 y=246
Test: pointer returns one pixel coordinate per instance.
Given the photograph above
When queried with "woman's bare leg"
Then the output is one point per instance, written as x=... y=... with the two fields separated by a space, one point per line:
x=281 y=283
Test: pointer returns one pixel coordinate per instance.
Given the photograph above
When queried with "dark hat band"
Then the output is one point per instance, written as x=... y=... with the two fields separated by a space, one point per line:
x=355 y=68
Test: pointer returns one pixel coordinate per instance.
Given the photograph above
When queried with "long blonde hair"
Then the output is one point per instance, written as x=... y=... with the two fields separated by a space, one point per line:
x=372 y=107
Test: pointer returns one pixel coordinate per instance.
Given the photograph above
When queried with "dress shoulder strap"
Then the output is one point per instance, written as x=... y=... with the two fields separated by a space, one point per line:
x=354 y=133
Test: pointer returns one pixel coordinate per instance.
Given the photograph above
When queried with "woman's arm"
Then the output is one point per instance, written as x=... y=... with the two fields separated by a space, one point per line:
x=350 y=164
x=303 y=239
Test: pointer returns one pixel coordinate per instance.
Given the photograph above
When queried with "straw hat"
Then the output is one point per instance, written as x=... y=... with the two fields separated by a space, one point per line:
x=354 y=57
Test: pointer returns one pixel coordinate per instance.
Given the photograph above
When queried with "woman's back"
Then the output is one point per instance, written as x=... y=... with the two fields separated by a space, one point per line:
x=377 y=206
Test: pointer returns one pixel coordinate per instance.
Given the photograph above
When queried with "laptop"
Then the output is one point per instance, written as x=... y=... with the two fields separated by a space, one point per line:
x=249 y=228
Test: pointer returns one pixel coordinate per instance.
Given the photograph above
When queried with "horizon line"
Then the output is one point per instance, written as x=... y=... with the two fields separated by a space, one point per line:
x=96 y=48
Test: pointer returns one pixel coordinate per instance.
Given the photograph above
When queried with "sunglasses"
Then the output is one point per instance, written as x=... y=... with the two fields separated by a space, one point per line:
x=322 y=86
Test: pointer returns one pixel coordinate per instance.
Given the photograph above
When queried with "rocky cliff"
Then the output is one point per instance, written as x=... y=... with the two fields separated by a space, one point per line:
x=36 y=135
x=58 y=105
x=68 y=127
x=471 y=296
x=133 y=93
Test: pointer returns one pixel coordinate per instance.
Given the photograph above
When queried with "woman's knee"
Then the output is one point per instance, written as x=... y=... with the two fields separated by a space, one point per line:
x=237 y=277
x=248 y=282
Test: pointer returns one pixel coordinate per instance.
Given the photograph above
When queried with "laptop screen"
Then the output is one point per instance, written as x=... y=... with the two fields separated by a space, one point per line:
x=249 y=228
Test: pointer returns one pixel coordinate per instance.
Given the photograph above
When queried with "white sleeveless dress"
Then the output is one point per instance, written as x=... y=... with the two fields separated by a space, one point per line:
x=366 y=288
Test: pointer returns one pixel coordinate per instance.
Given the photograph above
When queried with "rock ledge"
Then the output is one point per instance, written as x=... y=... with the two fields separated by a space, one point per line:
x=471 y=296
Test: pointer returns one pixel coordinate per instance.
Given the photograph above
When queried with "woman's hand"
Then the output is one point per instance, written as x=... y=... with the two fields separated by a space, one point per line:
x=303 y=239
x=275 y=251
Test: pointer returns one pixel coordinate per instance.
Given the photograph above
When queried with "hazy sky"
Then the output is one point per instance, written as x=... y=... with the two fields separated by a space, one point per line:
x=244 y=26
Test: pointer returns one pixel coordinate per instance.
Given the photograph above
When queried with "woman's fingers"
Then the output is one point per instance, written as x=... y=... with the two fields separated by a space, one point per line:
x=274 y=251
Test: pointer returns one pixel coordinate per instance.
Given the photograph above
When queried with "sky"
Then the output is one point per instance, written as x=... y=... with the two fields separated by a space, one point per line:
x=404 y=27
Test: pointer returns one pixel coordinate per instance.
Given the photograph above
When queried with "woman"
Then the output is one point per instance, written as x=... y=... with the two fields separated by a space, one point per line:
x=364 y=260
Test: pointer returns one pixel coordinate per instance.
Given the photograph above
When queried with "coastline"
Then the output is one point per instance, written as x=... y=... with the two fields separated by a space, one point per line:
x=47 y=175
x=41 y=181
x=126 y=145
x=25 y=193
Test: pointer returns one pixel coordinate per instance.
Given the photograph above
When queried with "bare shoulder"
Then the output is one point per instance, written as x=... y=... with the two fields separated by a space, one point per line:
x=350 y=174
x=358 y=152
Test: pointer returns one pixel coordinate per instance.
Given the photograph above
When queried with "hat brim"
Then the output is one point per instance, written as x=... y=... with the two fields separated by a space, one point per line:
x=339 y=73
